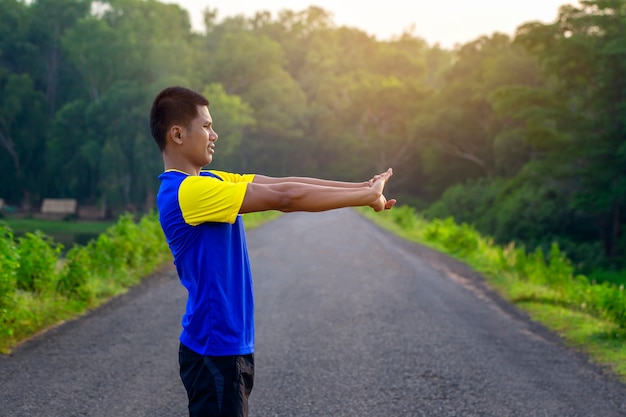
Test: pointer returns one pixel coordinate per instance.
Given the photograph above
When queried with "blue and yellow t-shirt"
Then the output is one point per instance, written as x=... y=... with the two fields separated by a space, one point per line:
x=202 y=225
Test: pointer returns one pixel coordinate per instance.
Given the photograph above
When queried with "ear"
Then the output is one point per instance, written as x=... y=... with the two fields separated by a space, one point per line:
x=176 y=134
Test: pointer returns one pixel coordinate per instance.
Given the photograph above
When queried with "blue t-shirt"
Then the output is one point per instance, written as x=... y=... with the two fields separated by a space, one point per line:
x=200 y=218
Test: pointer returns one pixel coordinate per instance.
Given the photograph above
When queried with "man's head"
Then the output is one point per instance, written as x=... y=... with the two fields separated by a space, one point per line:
x=173 y=106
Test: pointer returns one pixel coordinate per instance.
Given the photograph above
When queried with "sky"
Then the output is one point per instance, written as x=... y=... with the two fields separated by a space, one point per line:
x=447 y=22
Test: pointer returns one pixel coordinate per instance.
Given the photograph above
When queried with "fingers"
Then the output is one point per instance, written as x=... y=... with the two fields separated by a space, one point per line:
x=379 y=181
x=385 y=175
x=382 y=204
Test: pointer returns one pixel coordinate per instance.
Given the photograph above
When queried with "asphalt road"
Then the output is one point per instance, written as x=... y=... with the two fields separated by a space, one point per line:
x=351 y=321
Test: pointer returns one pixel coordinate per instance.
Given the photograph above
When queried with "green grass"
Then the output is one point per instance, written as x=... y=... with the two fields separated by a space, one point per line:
x=252 y=220
x=602 y=340
x=583 y=326
x=20 y=226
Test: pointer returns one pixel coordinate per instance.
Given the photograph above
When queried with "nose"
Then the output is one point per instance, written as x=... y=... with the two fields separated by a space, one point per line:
x=213 y=135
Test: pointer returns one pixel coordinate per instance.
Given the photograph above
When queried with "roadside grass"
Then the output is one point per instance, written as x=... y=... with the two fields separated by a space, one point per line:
x=254 y=220
x=600 y=339
x=588 y=317
x=23 y=225
x=40 y=288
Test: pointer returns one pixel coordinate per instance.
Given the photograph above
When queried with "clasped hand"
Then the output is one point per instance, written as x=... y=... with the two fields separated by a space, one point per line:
x=378 y=182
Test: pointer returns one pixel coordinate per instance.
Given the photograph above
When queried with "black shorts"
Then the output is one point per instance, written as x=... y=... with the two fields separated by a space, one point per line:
x=217 y=386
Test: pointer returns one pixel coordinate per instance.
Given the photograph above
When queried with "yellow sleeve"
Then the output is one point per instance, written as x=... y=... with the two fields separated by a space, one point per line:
x=206 y=199
x=230 y=177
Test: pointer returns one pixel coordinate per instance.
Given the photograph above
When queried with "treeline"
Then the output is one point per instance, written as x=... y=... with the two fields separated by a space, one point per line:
x=524 y=137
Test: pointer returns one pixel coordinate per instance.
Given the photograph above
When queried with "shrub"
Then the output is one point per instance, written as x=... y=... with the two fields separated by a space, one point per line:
x=38 y=255
x=404 y=216
x=458 y=239
x=9 y=263
x=37 y=287
x=116 y=259
x=76 y=273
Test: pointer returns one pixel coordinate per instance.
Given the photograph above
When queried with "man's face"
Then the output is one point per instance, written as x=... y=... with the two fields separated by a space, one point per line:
x=200 y=138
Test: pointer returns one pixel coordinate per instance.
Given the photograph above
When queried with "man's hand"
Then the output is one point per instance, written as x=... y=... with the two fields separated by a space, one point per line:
x=378 y=182
x=379 y=176
x=382 y=204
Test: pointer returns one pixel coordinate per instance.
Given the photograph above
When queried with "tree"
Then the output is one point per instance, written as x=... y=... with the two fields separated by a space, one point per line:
x=70 y=150
x=458 y=133
x=584 y=58
x=21 y=142
x=252 y=67
x=50 y=20
x=129 y=161
x=93 y=59
x=232 y=118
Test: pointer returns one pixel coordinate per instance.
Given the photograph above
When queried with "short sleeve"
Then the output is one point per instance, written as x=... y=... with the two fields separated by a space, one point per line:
x=206 y=199
x=230 y=177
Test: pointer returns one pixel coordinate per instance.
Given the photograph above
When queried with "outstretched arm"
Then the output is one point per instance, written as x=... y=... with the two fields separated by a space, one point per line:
x=311 y=194
x=262 y=179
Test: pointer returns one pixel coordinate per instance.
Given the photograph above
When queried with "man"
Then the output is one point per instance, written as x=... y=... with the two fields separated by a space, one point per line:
x=200 y=212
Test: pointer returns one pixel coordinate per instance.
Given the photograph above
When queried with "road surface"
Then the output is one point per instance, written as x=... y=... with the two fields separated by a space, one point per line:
x=351 y=321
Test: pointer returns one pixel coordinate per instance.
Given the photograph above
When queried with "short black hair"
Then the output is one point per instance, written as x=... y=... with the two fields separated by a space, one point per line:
x=173 y=105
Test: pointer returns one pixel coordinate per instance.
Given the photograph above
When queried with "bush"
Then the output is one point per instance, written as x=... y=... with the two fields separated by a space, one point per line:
x=38 y=256
x=117 y=258
x=404 y=216
x=9 y=263
x=470 y=203
x=76 y=273
x=50 y=288
x=460 y=240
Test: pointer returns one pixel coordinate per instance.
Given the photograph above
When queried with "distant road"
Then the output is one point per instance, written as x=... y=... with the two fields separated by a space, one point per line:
x=351 y=321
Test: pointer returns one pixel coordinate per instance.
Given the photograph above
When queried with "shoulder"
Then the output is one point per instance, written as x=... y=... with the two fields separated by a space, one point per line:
x=227 y=176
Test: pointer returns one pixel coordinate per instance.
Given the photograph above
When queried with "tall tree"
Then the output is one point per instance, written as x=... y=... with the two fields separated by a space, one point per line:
x=584 y=56
x=21 y=144
x=50 y=20
x=252 y=67
x=232 y=118
x=458 y=132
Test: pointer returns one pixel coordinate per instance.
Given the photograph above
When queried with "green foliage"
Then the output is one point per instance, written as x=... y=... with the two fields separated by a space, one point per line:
x=521 y=137
x=256 y=219
x=526 y=209
x=76 y=273
x=613 y=277
x=38 y=257
x=234 y=117
x=404 y=216
x=459 y=240
x=35 y=281
x=9 y=264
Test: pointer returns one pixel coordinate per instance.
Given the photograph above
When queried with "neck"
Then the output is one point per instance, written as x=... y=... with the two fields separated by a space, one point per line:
x=180 y=164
